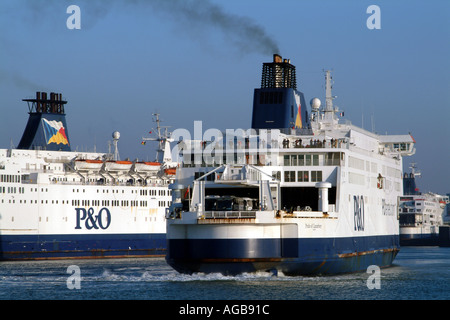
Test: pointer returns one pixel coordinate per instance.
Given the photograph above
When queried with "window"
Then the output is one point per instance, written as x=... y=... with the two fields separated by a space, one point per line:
x=301 y=159
x=289 y=176
x=332 y=159
x=307 y=159
x=315 y=159
x=302 y=176
x=276 y=175
x=294 y=160
x=316 y=176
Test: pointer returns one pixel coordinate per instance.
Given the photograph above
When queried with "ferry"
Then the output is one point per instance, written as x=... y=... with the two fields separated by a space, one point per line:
x=301 y=192
x=58 y=203
x=421 y=214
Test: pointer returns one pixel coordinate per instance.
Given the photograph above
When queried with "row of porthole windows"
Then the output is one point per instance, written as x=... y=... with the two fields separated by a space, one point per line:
x=12 y=189
x=117 y=203
x=9 y=178
x=151 y=192
x=150 y=219
x=164 y=203
x=19 y=189
x=95 y=203
x=36 y=201
x=112 y=203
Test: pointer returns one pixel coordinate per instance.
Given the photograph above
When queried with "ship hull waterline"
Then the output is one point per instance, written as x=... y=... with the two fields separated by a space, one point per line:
x=55 y=247
x=325 y=256
x=425 y=239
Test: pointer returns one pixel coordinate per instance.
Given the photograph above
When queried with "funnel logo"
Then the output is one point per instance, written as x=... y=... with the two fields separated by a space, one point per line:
x=298 y=120
x=55 y=132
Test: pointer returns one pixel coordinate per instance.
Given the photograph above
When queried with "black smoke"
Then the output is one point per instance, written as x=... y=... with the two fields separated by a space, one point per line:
x=205 y=16
x=244 y=33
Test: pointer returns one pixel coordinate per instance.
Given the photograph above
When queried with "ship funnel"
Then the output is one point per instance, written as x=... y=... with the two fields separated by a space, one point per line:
x=278 y=74
x=46 y=128
x=278 y=104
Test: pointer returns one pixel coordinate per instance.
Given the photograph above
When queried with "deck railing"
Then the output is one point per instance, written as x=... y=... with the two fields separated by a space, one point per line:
x=229 y=214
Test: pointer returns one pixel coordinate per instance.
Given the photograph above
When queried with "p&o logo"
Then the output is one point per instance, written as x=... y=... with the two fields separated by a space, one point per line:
x=91 y=220
x=358 y=202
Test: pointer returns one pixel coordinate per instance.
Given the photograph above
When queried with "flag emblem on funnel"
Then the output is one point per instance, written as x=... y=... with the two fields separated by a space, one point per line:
x=298 y=120
x=55 y=132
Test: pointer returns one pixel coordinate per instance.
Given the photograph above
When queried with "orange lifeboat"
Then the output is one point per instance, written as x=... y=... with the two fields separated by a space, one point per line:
x=118 y=165
x=147 y=166
x=170 y=171
x=87 y=164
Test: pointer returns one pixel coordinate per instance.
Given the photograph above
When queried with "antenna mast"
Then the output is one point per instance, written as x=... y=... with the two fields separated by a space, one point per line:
x=328 y=97
x=163 y=140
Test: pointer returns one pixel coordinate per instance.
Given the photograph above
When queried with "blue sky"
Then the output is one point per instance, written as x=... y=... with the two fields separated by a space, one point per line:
x=201 y=60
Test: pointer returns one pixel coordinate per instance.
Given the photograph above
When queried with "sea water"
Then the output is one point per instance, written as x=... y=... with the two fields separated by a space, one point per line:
x=417 y=273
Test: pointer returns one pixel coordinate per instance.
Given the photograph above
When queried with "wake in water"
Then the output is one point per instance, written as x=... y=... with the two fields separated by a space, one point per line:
x=126 y=274
x=417 y=274
x=155 y=276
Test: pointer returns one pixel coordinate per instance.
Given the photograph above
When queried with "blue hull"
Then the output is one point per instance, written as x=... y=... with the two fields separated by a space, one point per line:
x=291 y=256
x=429 y=239
x=31 y=247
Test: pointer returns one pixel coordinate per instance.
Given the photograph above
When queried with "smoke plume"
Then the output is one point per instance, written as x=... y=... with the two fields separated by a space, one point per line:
x=195 y=16
x=245 y=34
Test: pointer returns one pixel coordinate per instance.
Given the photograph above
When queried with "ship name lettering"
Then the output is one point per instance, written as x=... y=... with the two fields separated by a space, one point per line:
x=388 y=209
x=100 y=220
x=358 y=215
x=313 y=226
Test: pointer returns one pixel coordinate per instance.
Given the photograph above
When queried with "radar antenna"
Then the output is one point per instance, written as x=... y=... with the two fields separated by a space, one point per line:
x=116 y=137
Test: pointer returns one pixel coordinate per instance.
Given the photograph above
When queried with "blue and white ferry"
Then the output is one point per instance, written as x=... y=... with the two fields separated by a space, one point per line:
x=421 y=214
x=301 y=192
x=59 y=203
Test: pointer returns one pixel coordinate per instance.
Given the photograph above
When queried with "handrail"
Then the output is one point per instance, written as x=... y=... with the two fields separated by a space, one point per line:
x=229 y=214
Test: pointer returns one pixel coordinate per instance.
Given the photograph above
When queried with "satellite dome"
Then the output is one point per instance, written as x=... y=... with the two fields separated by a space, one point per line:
x=116 y=135
x=315 y=103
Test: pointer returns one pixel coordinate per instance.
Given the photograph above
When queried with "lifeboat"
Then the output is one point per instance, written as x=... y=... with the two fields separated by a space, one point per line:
x=86 y=164
x=147 y=166
x=118 y=165
x=170 y=171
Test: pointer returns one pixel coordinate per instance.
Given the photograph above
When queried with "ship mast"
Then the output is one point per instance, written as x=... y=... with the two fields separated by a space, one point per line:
x=325 y=117
x=413 y=168
x=163 y=152
x=329 y=112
